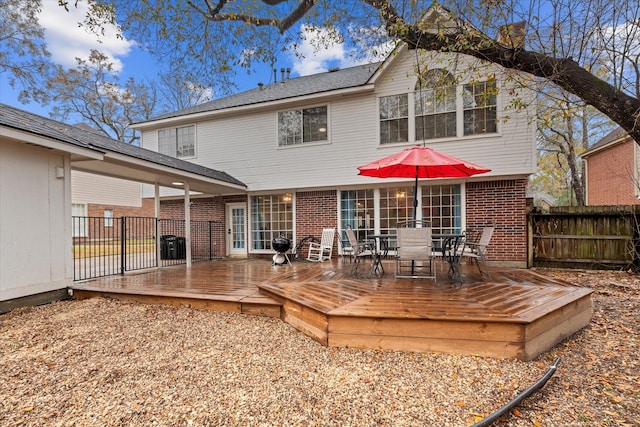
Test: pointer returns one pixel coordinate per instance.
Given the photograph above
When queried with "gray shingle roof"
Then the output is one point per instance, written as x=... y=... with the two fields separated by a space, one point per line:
x=42 y=126
x=289 y=88
x=612 y=136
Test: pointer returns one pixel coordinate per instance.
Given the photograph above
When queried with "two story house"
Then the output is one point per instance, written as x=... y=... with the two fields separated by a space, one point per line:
x=296 y=144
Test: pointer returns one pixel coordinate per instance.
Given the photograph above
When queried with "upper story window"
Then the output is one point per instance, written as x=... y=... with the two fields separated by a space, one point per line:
x=177 y=142
x=444 y=109
x=302 y=126
x=480 y=113
x=435 y=105
x=394 y=119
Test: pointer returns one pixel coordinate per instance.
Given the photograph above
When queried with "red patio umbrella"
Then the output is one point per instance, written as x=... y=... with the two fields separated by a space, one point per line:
x=420 y=162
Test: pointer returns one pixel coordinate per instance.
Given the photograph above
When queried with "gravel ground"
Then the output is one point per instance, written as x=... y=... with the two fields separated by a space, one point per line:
x=105 y=362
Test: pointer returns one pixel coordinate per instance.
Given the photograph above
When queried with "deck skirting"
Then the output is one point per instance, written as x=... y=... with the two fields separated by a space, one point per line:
x=519 y=314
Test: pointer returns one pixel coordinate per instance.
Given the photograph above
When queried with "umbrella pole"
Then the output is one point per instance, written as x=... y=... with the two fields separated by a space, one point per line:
x=415 y=199
x=415 y=213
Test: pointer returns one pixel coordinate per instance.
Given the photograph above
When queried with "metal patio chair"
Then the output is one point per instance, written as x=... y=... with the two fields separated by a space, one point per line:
x=475 y=249
x=415 y=255
x=360 y=250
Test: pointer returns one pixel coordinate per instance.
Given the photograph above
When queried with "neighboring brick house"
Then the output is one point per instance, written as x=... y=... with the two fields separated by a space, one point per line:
x=296 y=144
x=612 y=170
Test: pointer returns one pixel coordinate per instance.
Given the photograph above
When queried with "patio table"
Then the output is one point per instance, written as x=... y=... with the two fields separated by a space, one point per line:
x=380 y=248
x=450 y=245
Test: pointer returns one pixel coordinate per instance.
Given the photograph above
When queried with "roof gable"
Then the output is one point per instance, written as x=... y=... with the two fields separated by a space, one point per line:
x=612 y=138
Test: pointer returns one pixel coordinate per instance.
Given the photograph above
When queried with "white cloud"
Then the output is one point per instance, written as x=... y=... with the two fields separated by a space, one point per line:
x=66 y=40
x=322 y=49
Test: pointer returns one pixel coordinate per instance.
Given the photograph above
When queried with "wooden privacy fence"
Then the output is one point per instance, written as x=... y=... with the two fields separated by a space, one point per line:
x=594 y=237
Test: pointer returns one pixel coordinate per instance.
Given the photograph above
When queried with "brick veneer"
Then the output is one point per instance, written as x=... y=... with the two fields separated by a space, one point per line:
x=146 y=210
x=204 y=209
x=503 y=203
x=316 y=210
x=97 y=230
x=610 y=179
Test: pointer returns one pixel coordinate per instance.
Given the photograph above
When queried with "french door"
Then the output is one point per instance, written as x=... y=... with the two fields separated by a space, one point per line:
x=236 y=229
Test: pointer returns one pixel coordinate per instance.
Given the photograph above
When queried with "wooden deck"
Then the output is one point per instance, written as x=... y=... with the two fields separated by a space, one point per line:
x=520 y=314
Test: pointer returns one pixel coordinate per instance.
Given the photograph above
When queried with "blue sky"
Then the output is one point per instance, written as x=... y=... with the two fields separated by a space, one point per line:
x=66 y=41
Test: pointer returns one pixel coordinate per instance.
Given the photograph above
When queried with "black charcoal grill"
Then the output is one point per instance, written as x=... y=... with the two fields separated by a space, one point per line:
x=281 y=245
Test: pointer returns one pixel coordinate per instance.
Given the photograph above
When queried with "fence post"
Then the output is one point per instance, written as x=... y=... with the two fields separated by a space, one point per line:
x=123 y=245
x=157 y=240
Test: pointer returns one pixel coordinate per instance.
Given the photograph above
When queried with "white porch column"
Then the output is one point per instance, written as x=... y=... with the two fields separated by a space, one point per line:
x=156 y=207
x=187 y=222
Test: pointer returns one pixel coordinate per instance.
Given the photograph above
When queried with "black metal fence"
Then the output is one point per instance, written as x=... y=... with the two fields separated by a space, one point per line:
x=104 y=246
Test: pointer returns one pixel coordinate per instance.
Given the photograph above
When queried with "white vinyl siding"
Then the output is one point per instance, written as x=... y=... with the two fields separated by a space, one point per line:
x=98 y=189
x=245 y=148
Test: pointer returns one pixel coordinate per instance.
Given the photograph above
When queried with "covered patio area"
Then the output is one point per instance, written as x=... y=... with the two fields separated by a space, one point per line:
x=519 y=314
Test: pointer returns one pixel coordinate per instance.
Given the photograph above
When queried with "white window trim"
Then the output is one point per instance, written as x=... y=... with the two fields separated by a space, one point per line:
x=459 y=119
x=250 y=233
x=195 y=139
x=303 y=144
x=410 y=125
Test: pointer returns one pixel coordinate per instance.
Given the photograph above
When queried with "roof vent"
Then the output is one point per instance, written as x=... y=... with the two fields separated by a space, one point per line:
x=334 y=69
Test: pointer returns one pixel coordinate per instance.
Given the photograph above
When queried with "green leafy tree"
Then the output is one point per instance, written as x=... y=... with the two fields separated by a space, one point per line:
x=91 y=91
x=564 y=39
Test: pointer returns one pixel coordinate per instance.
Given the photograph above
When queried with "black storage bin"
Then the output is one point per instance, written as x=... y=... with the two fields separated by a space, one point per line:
x=168 y=247
x=181 y=248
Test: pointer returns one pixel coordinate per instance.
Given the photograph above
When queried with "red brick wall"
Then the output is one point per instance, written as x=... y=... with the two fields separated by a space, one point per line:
x=97 y=230
x=145 y=210
x=316 y=210
x=503 y=203
x=207 y=209
x=610 y=176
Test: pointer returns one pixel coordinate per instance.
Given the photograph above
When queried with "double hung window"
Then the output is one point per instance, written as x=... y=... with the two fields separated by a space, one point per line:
x=177 y=142
x=435 y=105
x=394 y=119
x=440 y=108
x=302 y=126
x=480 y=108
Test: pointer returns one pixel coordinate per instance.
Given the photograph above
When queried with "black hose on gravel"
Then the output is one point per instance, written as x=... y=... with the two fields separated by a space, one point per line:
x=528 y=392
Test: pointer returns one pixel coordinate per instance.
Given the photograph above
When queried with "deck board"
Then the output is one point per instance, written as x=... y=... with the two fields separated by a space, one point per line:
x=520 y=313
